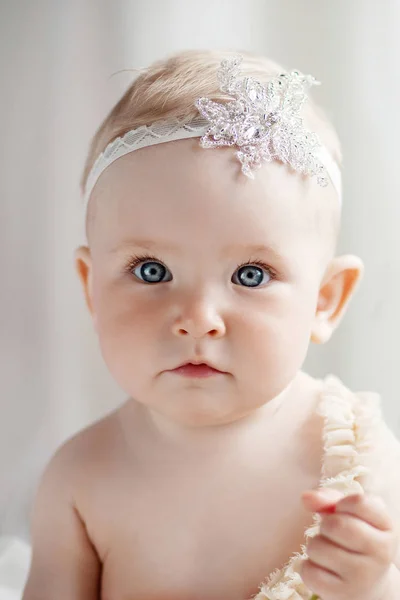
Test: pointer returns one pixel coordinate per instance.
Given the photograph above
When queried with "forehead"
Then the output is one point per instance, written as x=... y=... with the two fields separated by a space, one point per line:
x=178 y=191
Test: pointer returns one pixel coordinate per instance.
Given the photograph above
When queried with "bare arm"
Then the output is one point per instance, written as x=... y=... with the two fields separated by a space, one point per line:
x=64 y=563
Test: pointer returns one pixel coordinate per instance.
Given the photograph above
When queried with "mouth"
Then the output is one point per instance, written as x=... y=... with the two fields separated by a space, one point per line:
x=199 y=370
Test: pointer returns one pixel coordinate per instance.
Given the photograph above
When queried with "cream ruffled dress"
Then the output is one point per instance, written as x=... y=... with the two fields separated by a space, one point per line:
x=351 y=421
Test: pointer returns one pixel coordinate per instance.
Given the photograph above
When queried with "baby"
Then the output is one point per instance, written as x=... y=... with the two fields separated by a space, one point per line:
x=213 y=206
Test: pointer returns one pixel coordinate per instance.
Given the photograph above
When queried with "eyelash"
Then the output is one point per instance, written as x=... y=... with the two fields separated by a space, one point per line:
x=136 y=259
x=258 y=263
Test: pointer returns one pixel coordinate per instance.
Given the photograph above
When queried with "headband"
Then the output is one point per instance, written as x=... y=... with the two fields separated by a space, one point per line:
x=261 y=121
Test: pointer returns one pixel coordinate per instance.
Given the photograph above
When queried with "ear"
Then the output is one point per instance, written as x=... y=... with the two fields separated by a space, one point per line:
x=83 y=264
x=338 y=286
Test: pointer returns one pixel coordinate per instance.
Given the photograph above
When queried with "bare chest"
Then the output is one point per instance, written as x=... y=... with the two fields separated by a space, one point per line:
x=199 y=535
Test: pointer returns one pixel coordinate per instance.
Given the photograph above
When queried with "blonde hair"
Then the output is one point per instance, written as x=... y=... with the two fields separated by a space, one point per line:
x=169 y=88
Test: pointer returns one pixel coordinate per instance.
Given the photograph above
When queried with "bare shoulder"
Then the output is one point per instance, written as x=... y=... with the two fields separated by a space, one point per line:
x=66 y=532
x=65 y=562
x=89 y=446
x=74 y=456
x=87 y=453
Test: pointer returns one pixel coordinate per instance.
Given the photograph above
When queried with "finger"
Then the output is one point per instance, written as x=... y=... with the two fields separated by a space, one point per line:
x=357 y=536
x=321 y=499
x=367 y=507
x=333 y=557
x=321 y=581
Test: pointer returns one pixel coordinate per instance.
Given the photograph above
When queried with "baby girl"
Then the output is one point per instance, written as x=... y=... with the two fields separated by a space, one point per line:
x=213 y=201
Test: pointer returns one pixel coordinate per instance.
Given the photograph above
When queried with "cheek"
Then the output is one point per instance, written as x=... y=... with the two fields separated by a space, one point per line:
x=276 y=333
x=120 y=312
x=126 y=328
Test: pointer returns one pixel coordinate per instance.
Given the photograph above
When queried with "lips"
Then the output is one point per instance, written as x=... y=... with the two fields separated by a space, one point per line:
x=199 y=370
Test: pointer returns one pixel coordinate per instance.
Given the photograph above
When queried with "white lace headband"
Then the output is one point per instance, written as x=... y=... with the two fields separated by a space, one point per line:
x=263 y=122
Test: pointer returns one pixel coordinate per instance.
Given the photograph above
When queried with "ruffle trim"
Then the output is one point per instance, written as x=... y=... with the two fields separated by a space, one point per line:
x=350 y=420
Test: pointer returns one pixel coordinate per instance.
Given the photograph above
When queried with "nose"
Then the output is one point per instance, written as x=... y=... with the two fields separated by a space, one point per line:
x=199 y=318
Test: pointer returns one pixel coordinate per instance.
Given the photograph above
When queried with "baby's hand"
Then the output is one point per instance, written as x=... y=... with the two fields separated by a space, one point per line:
x=353 y=552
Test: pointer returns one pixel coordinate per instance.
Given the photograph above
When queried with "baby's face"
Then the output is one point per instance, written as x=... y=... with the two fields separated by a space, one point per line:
x=193 y=261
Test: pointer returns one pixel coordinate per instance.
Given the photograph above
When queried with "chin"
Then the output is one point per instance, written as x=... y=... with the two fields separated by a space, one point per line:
x=201 y=409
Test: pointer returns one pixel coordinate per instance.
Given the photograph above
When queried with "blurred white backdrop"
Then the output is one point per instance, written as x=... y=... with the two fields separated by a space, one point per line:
x=57 y=60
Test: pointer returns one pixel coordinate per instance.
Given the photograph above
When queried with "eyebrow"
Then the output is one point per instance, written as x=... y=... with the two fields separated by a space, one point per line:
x=256 y=249
x=168 y=246
x=143 y=243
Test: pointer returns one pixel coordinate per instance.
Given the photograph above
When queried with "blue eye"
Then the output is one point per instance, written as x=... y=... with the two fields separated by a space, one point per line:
x=152 y=272
x=251 y=276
